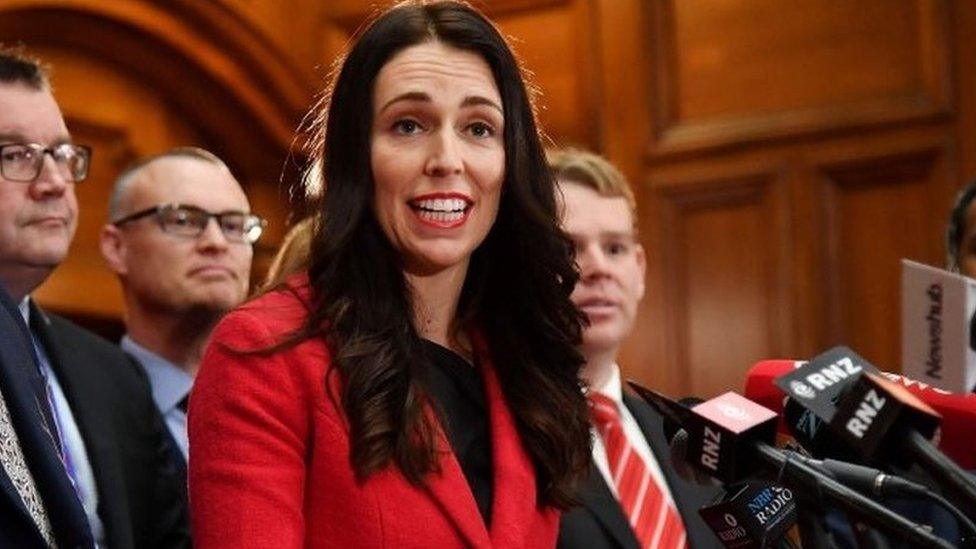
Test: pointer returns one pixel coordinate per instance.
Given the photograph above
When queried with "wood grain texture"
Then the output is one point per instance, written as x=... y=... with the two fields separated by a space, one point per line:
x=784 y=155
x=758 y=70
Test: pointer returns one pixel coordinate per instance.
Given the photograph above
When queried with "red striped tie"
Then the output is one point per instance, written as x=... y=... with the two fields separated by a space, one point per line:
x=655 y=521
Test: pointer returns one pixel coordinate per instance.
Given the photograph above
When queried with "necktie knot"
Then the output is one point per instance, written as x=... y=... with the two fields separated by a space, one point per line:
x=603 y=410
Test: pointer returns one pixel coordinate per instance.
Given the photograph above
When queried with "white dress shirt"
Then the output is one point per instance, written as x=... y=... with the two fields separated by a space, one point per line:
x=614 y=390
x=170 y=384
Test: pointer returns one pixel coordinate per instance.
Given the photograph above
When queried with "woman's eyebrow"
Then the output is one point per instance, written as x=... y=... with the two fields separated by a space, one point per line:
x=407 y=96
x=475 y=100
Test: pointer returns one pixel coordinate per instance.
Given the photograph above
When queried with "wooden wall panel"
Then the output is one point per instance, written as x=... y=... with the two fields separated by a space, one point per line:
x=725 y=267
x=292 y=26
x=873 y=211
x=855 y=106
x=730 y=72
x=563 y=67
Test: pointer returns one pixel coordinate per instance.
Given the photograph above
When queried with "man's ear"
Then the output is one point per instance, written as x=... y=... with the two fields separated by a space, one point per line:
x=641 y=259
x=114 y=249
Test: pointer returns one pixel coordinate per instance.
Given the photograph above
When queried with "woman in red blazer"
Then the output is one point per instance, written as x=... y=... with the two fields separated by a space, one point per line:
x=417 y=387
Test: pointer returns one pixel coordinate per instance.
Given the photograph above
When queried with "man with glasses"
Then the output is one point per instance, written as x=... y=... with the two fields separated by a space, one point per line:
x=85 y=460
x=180 y=238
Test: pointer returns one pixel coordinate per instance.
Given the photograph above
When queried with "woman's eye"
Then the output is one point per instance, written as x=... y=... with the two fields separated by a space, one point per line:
x=406 y=127
x=616 y=248
x=480 y=129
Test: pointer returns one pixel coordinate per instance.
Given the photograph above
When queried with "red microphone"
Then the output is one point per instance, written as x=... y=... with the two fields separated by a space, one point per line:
x=958 y=410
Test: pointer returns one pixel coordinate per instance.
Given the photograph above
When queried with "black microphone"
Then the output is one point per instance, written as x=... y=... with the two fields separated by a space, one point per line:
x=878 y=419
x=729 y=438
x=813 y=435
x=678 y=447
x=751 y=513
x=867 y=480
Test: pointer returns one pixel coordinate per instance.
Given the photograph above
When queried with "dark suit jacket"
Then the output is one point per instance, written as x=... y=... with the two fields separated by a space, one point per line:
x=140 y=502
x=20 y=384
x=600 y=523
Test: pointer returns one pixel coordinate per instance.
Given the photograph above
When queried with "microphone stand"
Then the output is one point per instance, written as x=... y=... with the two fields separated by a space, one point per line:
x=848 y=500
x=957 y=481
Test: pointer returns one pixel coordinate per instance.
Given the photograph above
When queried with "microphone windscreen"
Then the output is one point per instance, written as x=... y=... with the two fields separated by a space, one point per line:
x=760 y=382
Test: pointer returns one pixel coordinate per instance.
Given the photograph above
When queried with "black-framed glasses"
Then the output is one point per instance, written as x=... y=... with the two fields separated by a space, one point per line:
x=24 y=161
x=191 y=221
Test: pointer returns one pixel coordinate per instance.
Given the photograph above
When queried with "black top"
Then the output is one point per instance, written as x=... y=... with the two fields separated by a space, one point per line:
x=459 y=394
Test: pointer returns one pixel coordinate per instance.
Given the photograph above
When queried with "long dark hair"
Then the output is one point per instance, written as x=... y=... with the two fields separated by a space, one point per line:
x=516 y=292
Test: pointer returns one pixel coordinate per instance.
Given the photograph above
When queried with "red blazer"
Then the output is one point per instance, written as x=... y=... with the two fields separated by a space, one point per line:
x=269 y=457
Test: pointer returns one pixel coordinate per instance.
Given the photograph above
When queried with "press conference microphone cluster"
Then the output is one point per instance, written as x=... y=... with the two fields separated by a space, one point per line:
x=729 y=438
x=869 y=416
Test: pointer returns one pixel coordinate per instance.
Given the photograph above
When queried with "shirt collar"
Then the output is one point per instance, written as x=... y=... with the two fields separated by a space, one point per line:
x=612 y=387
x=168 y=381
x=24 y=307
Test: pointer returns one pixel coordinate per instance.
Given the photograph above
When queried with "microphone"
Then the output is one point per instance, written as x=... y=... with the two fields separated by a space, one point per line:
x=678 y=447
x=938 y=326
x=958 y=411
x=752 y=514
x=729 y=439
x=876 y=417
x=867 y=480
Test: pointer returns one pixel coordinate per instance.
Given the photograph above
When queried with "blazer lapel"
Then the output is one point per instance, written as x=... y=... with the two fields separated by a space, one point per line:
x=453 y=495
x=12 y=352
x=95 y=429
x=514 y=512
x=514 y=508
x=652 y=426
x=600 y=501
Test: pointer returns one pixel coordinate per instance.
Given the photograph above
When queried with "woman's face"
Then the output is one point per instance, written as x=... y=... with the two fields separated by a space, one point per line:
x=437 y=154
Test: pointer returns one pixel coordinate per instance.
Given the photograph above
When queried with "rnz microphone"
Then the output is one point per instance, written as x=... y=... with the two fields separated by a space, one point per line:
x=879 y=419
x=958 y=411
x=729 y=438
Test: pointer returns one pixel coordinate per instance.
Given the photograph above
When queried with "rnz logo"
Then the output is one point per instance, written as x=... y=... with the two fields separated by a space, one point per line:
x=867 y=411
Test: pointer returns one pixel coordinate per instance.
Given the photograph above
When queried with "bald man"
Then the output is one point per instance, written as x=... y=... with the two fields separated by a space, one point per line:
x=180 y=239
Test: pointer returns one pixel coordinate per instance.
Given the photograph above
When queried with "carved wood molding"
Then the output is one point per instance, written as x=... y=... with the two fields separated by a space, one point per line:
x=175 y=45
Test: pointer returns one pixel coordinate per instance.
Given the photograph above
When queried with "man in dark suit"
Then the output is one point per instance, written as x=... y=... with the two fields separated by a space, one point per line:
x=38 y=505
x=633 y=497
x=93 y=399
